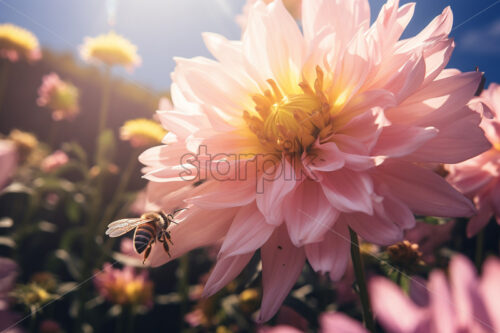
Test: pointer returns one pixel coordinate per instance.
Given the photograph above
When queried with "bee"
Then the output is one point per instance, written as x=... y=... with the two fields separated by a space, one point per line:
x=149 y=228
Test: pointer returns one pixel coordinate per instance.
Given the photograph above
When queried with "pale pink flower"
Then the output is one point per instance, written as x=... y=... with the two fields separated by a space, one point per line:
x=465 y=303
x=478 y=177
x=292 y=137
x=54 y=161
x=61 y=97
x=124 y=286
x=8 y=161
x=293 y=6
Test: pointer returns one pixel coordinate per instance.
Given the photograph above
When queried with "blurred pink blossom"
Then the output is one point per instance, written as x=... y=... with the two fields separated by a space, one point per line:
x=124 y=286
x=295 y=134
x=54 y=161
x=478 y=177
x=61 y=97
x=8 y=161
x=464 y=303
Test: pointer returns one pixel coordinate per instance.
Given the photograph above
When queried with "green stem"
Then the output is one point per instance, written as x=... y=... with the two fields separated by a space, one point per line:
x=4 y=76
x=479 y=249
x=357 y=263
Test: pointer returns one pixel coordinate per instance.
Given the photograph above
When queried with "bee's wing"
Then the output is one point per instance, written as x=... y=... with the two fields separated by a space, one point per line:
x=120 y=227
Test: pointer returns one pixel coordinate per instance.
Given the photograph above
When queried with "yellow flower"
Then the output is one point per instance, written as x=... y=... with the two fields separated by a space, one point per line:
x=142 y=132
x=18 y=43
x=110 y=49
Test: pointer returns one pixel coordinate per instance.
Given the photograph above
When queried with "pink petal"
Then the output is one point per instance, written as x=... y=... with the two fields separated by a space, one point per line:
x=349 y=191
x=224 y=194
x=338 y=322
x=366 y=127
x=374 y=228
x=425 y=192
x=490 y=290
x=282 y=263
x=460 y=140
x=399 y=140
x=346 y=17
x=467 y=301
x=228 y=95
x=394 y=210
x=362 y=102
x=439 y=27
x=441 y=304
x=437 y=102
x=480 y=220
x=332 y=254
x=393 y=309
x=271 y=36
x=275 y=187
x=225 y=271
x=248 y=232
x=308 y=214
x=408 y=79
x=324 y=157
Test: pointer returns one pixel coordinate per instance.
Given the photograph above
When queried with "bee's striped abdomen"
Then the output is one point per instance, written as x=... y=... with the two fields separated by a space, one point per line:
x=144 y=234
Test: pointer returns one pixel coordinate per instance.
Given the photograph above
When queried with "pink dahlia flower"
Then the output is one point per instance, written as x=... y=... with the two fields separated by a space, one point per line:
x=61 y=97
x=464 y=304
x=478 y=177
x=291 y=137
x=8 y=161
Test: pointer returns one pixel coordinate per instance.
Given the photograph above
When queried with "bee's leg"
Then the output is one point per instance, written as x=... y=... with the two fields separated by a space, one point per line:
x=167 y=234
x=146 y=254
x=166 y=248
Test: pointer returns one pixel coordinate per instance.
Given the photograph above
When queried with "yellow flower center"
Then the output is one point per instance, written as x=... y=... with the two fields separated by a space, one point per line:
x=290 y=123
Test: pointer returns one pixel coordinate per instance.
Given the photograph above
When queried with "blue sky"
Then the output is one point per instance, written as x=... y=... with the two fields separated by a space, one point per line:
x=163 y=29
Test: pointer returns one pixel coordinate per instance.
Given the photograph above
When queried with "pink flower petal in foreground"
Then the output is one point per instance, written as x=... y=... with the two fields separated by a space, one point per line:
x=478 y=177
x=330 y=323
x=464 y=304
x=293 y=135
